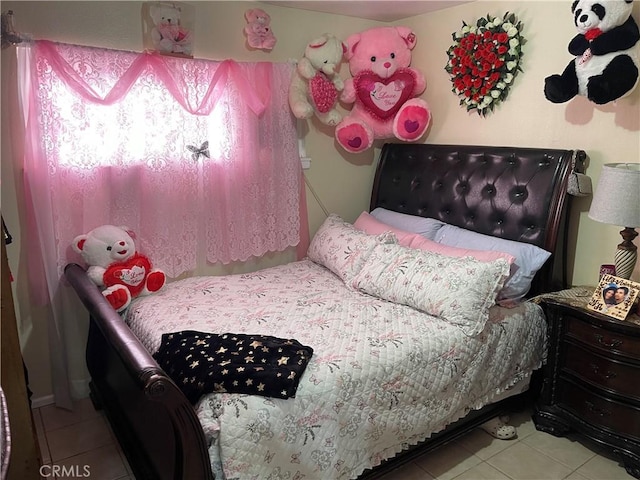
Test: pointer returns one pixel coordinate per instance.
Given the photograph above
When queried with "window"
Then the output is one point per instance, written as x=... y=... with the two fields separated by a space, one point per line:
x=198 y=157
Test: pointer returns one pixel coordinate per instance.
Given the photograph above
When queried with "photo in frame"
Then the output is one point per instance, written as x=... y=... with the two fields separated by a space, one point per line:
x=167 y=28
x=614 y=296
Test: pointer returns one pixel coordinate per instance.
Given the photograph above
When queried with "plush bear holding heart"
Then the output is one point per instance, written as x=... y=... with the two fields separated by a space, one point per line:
x=383 y=90
x=116 y=266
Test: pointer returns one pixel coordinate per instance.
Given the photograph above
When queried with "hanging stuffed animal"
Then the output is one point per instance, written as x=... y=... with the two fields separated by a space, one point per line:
x=116 y=267
x=168 y=35
x=258 y=29
x=606 y=63
x=316 y=85
x=383 y=90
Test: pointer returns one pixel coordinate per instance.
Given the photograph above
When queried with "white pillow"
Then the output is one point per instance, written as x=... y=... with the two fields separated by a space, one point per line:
x=528 y=258
x=427 y=227
x=459 y=290
x=342 y=248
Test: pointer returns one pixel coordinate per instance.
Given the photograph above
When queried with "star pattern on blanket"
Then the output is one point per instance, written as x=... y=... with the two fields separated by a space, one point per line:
x=200 y=362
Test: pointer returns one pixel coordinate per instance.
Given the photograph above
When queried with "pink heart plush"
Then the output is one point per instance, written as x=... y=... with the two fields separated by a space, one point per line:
x=383 y=97
x=323 y=92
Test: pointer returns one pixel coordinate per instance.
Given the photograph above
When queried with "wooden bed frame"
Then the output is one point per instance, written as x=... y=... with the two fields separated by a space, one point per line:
x=510 y=192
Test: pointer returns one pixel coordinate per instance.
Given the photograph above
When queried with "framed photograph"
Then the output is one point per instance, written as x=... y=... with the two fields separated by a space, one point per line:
x=167 y=28
x=614 y=296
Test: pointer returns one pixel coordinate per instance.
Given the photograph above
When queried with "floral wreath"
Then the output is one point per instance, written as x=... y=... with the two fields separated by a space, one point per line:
x=483 y=61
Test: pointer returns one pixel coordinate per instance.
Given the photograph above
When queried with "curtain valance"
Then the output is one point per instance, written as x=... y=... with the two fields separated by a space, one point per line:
x=175 y=73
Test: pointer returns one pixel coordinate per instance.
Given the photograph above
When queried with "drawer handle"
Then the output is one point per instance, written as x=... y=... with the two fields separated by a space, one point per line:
x=614 y=343
x=596 y=370
x=598 y=411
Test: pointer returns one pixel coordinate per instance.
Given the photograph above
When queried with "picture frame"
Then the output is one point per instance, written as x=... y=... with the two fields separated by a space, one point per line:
x=168 y=28
x=614 y=297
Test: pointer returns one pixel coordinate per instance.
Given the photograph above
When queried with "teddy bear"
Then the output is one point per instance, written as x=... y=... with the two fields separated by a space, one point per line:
x=116 y=267
x=605 y=67
x=383 y=90
x=315 y=85
x=167 y=34
x=258 y=30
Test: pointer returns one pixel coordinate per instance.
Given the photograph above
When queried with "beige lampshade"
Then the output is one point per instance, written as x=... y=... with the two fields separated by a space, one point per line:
x=617 y=197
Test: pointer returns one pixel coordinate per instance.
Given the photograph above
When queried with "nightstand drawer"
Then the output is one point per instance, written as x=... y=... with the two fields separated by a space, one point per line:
x=602 y=339
x=612 y=375
x=619 y=418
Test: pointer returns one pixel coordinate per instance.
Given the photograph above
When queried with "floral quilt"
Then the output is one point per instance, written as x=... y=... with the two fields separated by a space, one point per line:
x=383 y=375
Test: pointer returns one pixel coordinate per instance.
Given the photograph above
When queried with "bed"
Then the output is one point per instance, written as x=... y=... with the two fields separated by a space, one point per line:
x=385 y=381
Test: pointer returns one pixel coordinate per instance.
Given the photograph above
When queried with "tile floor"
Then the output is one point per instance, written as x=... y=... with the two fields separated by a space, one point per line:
x=83 y=437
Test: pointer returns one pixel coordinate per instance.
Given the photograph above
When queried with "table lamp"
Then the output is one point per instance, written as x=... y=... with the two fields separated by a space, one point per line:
x=617 y=202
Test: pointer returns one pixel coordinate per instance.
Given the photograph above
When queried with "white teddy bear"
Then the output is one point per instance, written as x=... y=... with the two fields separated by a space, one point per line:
x=168 y=35
x=315 y=84
x=116 y=266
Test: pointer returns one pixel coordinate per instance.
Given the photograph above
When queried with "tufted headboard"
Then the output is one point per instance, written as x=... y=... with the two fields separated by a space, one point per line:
x=509 y=192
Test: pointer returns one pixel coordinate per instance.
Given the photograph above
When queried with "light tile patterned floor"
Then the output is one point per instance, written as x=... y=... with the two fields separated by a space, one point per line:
x=83 y=437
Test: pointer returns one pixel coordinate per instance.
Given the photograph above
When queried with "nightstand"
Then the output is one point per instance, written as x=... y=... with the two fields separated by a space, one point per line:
x=591 y=381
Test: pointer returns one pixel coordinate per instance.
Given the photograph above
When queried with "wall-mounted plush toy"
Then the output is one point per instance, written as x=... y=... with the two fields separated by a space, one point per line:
x=116 y=267
x=258 y=29
x=606 y=63
x=383 y=90
x=315 y=84
x=167 y=34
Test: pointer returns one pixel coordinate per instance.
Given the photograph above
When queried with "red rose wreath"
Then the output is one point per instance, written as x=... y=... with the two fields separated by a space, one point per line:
x=483 y=61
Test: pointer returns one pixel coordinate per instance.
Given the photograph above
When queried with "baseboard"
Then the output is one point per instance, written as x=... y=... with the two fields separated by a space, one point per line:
x=37 y=402
x=80 y=389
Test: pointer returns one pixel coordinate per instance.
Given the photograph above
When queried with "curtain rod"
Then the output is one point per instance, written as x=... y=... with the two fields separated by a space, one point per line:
x=9 y=34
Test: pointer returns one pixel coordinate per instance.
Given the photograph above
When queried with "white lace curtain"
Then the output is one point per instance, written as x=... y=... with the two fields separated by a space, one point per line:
x=199 y=158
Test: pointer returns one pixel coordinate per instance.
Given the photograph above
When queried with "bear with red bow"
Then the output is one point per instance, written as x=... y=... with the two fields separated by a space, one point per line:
x=116 y=267
x=605 y=66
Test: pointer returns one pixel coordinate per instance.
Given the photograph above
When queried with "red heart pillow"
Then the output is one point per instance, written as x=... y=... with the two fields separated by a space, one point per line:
x=131 y=273
x=383 y=97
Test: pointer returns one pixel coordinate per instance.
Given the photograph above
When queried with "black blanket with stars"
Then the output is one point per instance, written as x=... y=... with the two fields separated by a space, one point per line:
x=200 y=363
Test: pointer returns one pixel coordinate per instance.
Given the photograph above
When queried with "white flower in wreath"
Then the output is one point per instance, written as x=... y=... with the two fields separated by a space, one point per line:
x=497 y=21
x=512 y=32
x=511 y=65
x=507 y=26
x=513 y=43
x=495 y=93
x=501 y=85
x=508 y=78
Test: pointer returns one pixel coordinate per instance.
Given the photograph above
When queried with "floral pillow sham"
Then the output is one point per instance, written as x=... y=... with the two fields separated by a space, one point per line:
x=343 y=249
x=459 y=290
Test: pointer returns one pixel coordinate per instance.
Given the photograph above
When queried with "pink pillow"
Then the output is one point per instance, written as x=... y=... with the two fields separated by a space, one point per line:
x=369 y=224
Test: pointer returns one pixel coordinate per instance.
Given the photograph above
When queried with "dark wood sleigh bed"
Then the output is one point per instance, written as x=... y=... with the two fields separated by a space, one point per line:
x=510 y=192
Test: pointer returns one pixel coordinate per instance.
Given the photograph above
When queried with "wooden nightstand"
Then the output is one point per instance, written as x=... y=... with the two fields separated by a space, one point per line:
x=591 y=381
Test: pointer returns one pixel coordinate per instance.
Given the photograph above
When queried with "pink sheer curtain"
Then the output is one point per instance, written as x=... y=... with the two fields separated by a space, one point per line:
x=198 y=157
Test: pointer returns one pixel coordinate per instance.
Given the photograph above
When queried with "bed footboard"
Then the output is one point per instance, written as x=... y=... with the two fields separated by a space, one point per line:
x=155 y=424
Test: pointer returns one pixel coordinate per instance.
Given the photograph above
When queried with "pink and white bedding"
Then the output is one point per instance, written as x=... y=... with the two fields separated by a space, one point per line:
x=383 y=375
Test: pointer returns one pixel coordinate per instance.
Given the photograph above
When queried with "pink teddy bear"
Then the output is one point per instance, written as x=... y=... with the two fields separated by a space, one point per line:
x=259 y=33
x=382 y=89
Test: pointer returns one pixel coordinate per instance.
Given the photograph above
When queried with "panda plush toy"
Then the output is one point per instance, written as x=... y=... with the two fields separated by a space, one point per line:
x=606 y=63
